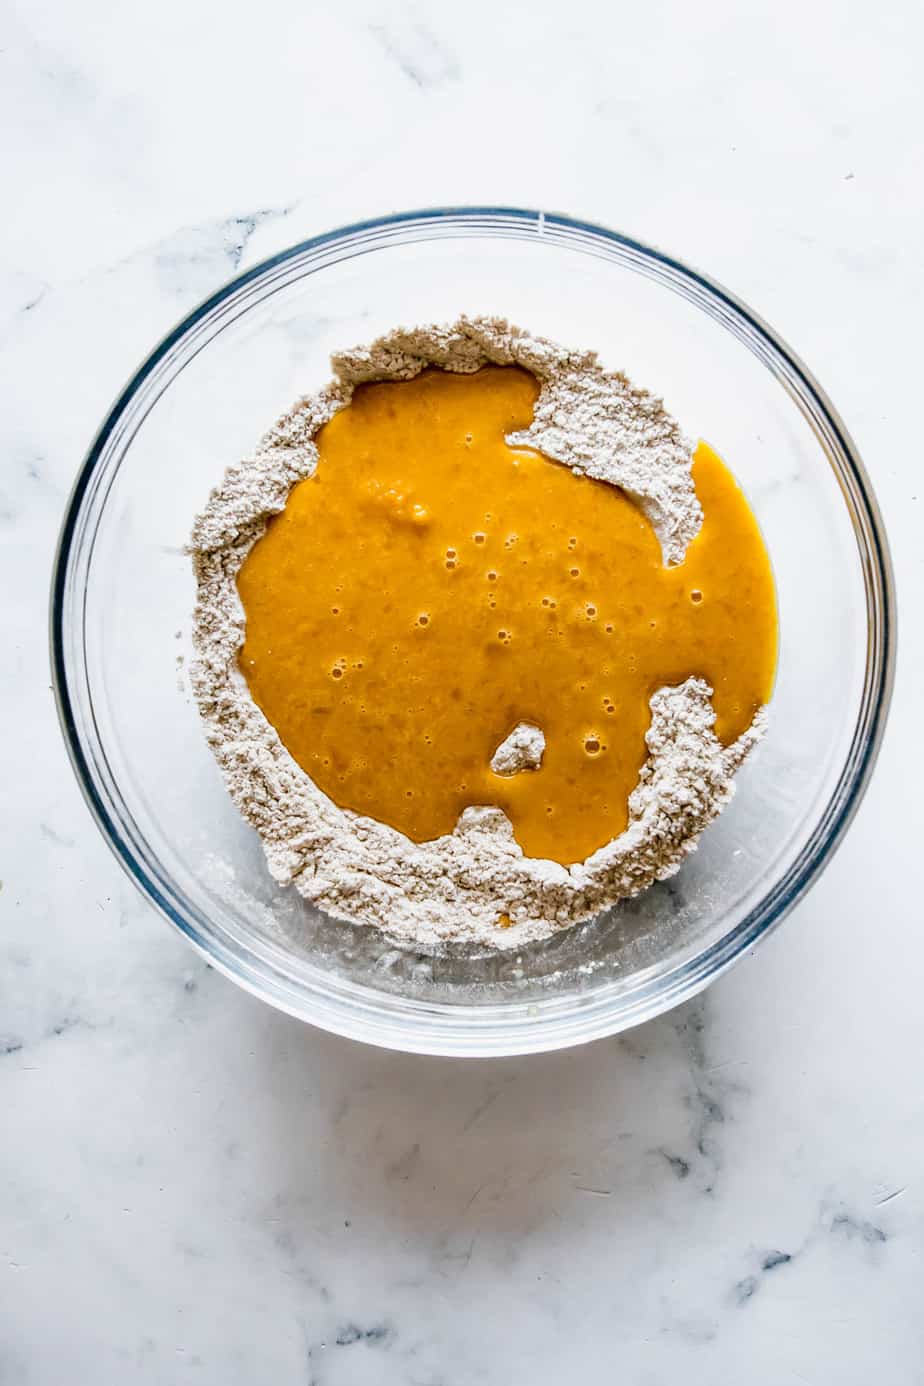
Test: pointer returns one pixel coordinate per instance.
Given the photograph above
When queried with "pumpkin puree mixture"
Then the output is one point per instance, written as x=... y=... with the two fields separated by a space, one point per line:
x=429 y=588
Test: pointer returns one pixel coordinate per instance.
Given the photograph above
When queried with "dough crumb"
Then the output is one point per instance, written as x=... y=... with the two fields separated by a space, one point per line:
x=521 y=750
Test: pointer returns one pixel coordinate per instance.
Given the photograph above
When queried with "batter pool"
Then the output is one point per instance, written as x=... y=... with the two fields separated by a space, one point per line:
x=429 y=588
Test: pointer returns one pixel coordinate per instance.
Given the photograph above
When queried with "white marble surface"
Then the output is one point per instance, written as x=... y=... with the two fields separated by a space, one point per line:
x=193 y=1187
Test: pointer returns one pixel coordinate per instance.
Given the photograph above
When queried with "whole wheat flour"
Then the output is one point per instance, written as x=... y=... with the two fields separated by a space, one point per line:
x=475 y=884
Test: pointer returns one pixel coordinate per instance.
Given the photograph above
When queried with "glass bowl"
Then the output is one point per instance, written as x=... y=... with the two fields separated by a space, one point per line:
x=123 y=593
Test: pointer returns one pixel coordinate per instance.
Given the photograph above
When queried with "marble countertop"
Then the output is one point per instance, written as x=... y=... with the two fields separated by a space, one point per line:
x=194 y=1187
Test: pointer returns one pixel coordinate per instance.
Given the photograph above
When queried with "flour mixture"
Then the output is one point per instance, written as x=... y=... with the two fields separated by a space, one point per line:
x=463 y=687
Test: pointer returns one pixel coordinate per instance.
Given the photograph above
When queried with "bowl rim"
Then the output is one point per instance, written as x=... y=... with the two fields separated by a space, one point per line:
x=356 y=1011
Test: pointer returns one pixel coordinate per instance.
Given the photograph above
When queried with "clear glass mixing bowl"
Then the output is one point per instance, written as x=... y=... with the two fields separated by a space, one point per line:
x=123 y=593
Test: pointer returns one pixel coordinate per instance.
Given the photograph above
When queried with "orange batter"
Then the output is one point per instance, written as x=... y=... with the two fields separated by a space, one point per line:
x=430 y=587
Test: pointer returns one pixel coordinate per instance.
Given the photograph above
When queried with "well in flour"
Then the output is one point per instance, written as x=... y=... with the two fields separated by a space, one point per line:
x=455 y=887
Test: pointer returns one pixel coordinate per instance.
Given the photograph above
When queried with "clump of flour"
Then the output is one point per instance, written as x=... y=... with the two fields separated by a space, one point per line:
x=474 y=884
x=521 y=750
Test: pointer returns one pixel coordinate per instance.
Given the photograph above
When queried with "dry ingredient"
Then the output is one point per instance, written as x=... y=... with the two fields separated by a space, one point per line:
x=473 y=884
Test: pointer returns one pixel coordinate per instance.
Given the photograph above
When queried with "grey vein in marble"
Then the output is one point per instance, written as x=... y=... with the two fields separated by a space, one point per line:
x=418 y=53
